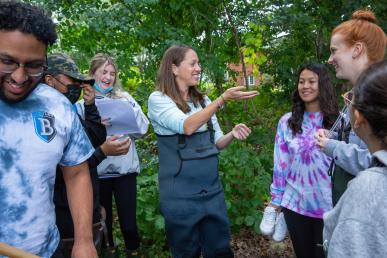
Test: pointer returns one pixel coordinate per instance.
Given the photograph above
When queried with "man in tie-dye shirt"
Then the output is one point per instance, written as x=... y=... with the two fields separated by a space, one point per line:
x=39 y=129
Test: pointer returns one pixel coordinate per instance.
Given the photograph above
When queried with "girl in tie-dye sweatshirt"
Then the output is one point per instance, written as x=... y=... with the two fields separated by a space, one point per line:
x=301 y=187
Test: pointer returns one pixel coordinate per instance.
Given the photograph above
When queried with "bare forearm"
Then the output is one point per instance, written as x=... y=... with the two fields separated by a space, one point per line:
x=224 y=141
x=239 y=132
x=195 y=121
x=80 y=198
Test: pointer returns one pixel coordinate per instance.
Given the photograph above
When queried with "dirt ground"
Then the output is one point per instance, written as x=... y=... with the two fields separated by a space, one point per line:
x=248 y=244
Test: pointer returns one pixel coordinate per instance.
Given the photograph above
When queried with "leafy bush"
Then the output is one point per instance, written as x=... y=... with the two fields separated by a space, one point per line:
x=246 y=167
x=245 y=180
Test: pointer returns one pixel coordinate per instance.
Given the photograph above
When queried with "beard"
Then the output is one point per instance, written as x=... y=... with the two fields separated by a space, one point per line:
x=3 y=78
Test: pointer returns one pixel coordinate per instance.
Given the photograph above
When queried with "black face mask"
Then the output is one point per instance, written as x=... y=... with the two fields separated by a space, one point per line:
x=73 y=92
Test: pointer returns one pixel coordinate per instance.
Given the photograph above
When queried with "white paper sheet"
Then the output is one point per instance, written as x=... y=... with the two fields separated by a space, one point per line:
x=121 y=114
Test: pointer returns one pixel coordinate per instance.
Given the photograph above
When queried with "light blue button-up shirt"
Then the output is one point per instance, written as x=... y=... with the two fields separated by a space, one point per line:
x=168 y=119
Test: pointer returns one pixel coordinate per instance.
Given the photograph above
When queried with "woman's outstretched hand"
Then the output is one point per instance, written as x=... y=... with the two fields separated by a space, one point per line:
x=241 y=132
x=238 y=93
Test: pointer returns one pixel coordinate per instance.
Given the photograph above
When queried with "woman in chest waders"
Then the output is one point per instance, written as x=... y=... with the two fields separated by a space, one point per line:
x=189 y=140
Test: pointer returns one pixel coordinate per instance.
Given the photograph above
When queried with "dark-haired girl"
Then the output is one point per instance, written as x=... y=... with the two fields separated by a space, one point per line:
x=301 y=187
x=357 y=226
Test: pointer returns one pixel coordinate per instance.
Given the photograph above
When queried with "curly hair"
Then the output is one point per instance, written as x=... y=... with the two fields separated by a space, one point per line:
x=327 y=98
x=370 y=98
x=28 y=19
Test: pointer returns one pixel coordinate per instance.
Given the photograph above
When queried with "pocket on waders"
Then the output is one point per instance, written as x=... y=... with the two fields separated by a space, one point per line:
x=198 y=170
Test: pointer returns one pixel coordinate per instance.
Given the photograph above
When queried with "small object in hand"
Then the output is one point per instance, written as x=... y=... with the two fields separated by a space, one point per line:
x=123 y=137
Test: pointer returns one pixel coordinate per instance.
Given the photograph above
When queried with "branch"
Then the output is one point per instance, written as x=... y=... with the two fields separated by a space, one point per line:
x=237 y=41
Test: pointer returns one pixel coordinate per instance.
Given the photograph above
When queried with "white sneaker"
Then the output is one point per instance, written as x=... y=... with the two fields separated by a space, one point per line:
x=280 y=228
x=268 y=221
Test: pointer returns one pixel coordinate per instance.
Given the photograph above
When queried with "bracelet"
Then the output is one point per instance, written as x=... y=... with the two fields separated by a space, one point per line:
x=224 y=101
x=221 y=95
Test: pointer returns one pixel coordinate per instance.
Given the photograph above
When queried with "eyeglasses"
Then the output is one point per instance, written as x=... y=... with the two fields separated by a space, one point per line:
x=348 y=96
x=33 y=69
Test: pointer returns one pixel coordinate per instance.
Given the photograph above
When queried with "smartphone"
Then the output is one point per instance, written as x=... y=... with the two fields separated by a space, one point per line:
x=123 y=137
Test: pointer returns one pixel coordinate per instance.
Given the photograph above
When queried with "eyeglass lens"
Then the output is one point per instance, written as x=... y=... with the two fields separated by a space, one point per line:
x=32 y=69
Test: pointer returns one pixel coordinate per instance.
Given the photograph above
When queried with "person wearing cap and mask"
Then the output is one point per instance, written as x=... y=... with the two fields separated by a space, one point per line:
x=63 y=74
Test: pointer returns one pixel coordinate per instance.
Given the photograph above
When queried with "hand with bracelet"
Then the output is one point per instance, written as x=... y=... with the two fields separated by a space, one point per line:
x=236 y=93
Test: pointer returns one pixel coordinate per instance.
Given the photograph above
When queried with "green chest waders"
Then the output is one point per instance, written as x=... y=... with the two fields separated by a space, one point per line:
x=339 y=176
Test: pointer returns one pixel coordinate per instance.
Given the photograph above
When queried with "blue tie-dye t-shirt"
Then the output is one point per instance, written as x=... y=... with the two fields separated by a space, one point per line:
x=300 y=178
x=36 y=134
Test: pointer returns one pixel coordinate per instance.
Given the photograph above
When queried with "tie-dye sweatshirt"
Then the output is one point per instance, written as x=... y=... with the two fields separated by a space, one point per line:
x=300 y=179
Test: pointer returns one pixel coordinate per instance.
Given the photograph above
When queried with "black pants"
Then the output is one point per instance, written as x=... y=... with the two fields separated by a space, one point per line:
x=64 y=220
x=306 y=234
x=124 y=190
x=58 y=252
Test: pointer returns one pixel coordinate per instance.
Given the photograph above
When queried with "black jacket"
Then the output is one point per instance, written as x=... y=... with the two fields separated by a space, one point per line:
x=97 y=136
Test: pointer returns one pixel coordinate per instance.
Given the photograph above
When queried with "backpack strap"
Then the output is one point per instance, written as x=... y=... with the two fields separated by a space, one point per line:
x=376 y=163
x=342 y=135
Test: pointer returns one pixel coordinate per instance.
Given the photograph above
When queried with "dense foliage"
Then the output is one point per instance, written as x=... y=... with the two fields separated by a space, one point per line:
x=275 y=36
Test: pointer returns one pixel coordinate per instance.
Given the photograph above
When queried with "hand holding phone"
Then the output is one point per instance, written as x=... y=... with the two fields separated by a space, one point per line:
x=88 y=94
x=116 y=145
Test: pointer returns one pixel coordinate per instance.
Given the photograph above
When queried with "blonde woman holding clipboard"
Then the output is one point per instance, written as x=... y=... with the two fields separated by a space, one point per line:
x=118 y=174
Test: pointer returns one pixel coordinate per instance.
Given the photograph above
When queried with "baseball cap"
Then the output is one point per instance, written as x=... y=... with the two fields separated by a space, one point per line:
x=60 y=63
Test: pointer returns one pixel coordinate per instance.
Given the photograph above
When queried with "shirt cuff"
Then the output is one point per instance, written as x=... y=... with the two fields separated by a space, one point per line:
x=276 y=198
x=98 y=153
x=276 y=202
x=330 y=147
